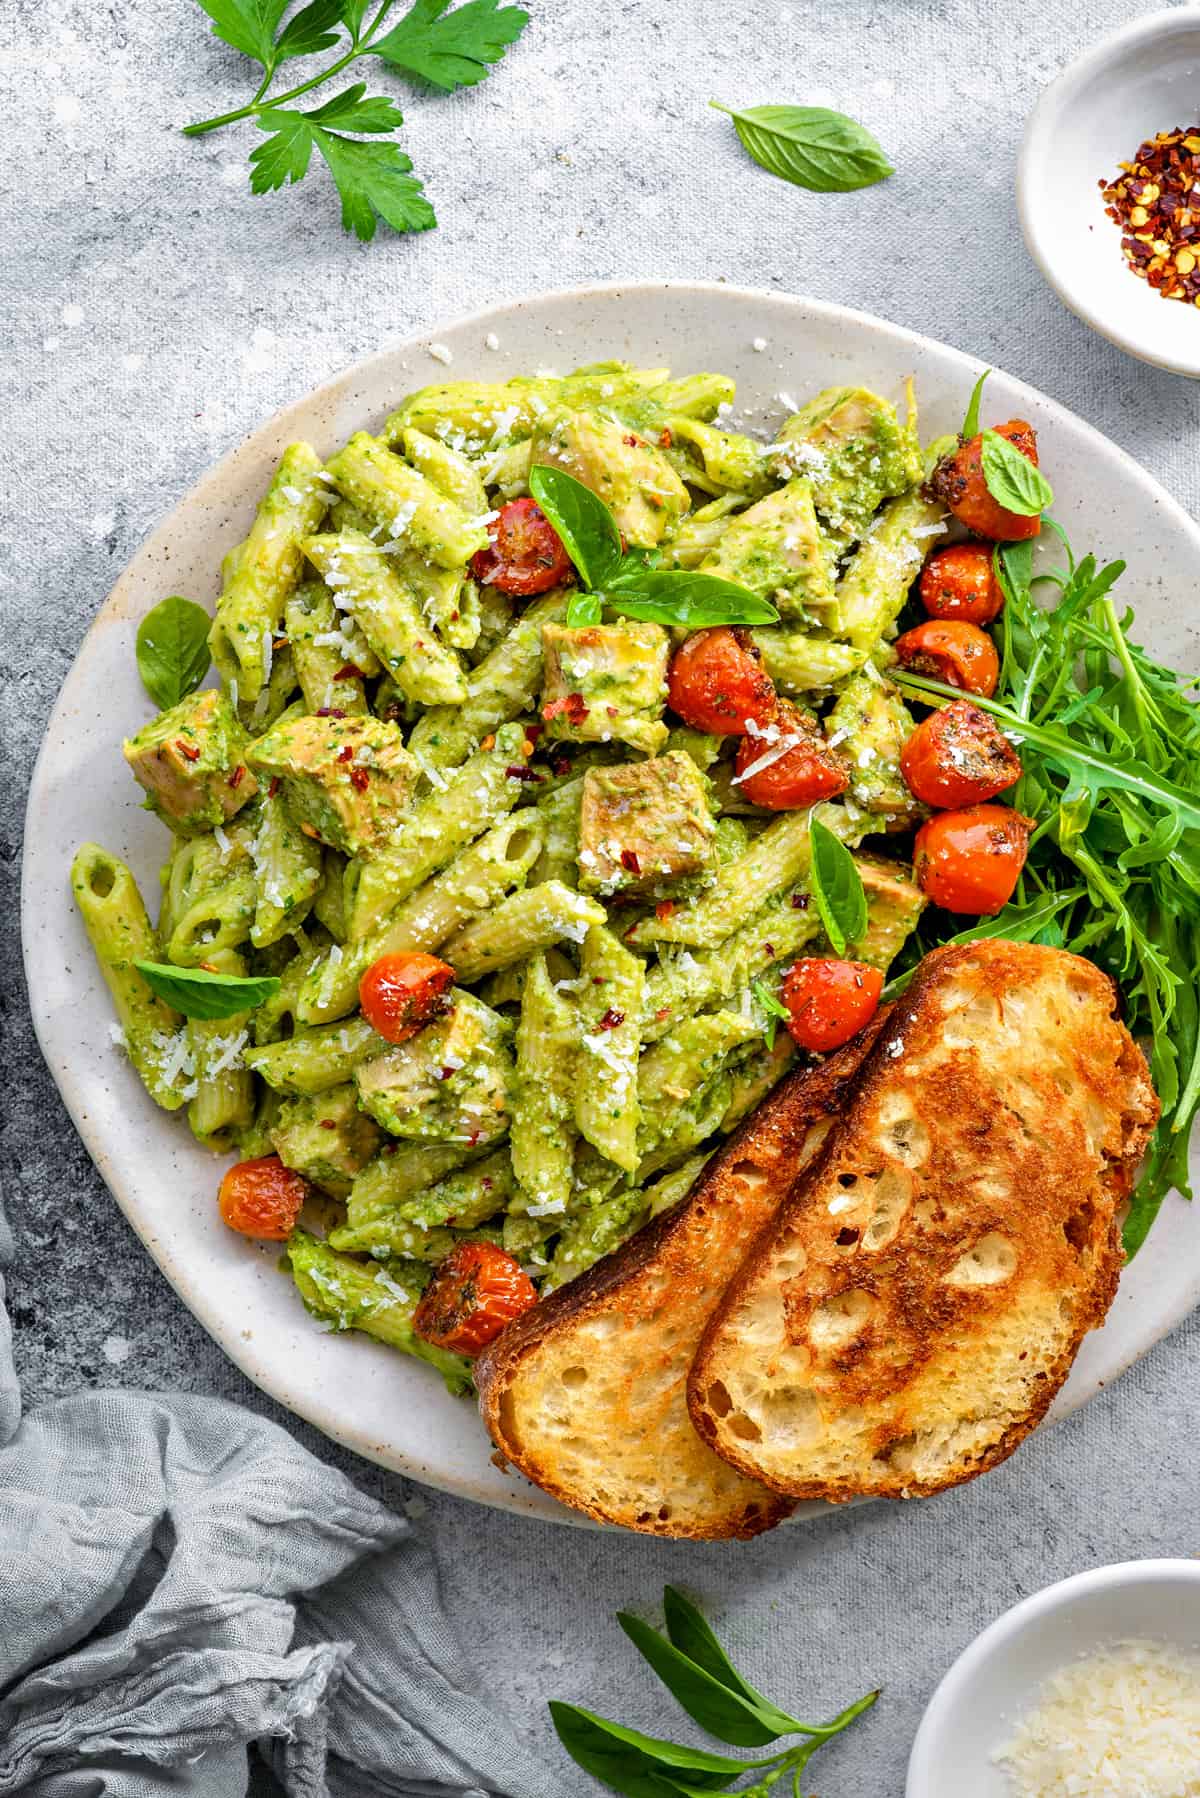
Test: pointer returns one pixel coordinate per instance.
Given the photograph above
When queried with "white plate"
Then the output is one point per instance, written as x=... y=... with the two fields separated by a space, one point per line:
x=376 y=1402
x=1143 y=79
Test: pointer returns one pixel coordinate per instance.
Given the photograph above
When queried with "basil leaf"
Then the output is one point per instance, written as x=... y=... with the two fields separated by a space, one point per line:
x=730 y=1715
x=810 y=146
x=198 y=994
x=637 y=1765
x=1012 y=479
x=678 y=596
x=970 y=423
x=837 y=888
x=584 y=608
x=172 y=650
x=588 y=529
x=774 y=1010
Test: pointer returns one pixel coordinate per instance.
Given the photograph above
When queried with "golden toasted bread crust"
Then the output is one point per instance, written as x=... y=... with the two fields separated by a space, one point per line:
x=586 y=1393
x=917 y=1301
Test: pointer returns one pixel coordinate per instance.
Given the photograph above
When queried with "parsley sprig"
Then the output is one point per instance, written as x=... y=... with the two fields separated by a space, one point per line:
x=1110 y=744
x=698 y=1673
x=429 y=45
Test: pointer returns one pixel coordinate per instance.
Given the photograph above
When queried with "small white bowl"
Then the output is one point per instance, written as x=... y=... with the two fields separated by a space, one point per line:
x=1143 y=79
x=997 y=1679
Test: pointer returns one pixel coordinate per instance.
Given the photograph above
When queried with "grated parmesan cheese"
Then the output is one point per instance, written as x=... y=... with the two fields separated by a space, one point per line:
x=1121 y=1723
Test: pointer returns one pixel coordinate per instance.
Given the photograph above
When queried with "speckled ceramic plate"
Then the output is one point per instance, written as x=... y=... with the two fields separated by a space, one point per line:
x=385 y=1407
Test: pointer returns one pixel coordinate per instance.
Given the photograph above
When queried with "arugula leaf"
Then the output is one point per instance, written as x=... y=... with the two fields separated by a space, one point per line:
x=311 y=29
x=247 y=25
x=810 y=146
x=373 y=179
x=173 y=656
x=449 y=50
x=837 y=888
x=685 y=598
x=970 y=423
x=588 y=529
x=729 y=1715
x=1013 y=481
x=1015 y=924
x=198 y=994
x=770 y=1004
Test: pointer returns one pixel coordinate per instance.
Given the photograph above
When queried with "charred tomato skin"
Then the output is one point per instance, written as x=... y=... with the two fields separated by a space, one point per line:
x=476 y=1292
x=716 y=682
x=402 y=992
x=806 y=772
x=970 y=860
x=829 y=1001
x=958 y=757
x=960 y=582
x=526 y=555
x=948 y=650
x=262 y=1198
x=958 y=483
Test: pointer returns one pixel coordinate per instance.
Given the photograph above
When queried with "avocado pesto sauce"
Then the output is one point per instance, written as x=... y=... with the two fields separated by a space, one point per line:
x=413 y=749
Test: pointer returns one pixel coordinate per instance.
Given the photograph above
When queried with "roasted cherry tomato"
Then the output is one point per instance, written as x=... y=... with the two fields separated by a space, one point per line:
x=829 y=1001
x=717 y=682
x=960 y=654
x=958 y=482
x=262 y=1198
x=402 y=992
x=971 y=860
x=958 y=757
x=476 y=1291
x=526 y=554
x=788 y=764
x=960 y=582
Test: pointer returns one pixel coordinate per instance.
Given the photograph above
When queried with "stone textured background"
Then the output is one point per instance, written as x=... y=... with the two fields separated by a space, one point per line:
x=153 y=313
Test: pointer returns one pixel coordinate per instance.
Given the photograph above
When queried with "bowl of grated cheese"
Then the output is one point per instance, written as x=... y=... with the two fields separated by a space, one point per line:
x=1089 y=1689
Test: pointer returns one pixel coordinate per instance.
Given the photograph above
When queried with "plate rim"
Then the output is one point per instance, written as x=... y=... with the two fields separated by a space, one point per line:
x=518 y=1500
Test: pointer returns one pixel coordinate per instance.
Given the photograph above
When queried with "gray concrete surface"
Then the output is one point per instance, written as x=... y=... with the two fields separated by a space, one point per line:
x=153 y=313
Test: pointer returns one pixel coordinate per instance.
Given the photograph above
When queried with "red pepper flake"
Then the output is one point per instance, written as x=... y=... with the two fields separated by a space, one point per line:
x=358 y=779
x=518 y=771
x=446 y=1072
x=1155 y=199
x=534 y=731
x=328 y=1124
x=488 y=742
x=348 y=671
x=664 y=909
x=571 y=704
x=630 y=861
x=611 y=1019
x=278 y=643
x=345 y=752
x=562 y=764
x=329 y=711
x=631 y=440
x=187 y=749
x=662 y=1014
x=274 y=786
x=666 y=439
x=235 y=779
x=799 y=902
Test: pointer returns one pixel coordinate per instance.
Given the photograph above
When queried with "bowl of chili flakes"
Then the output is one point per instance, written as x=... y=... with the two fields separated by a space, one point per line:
x=1108 y=188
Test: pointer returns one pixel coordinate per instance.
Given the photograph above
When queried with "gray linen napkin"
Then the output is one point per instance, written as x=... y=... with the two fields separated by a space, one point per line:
x=178 y=1579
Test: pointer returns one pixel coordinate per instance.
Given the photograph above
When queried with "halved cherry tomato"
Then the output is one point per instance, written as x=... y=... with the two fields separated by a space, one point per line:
x=958 y=757
x=262 y=1198
x=476 y=1291
x=400 y=993
x=960 y=582
x=788 y=764
x=971 y=860
x=960 y=654
x=717 y=681
x=829 y=1001
x=958 y=482
x=526 y=554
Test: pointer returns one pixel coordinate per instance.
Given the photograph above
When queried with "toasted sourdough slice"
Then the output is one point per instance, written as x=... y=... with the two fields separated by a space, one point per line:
x=587 y=1392
x=918 y=1299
